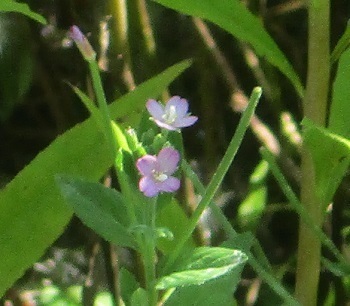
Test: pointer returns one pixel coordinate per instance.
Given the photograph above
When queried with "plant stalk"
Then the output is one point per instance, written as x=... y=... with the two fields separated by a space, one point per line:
x=120 y=12
x=150 y=255
x=217 y=178
x=315 y=108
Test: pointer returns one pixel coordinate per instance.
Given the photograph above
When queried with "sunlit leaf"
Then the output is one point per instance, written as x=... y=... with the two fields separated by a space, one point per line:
x=253 y=206
x=202 y=265
x=331 y=159
x=13 y=6
x=217 y=291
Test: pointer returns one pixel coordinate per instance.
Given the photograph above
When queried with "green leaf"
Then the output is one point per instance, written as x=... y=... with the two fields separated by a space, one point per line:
x=342 y=44
x=12 y=6
x=234 y=17
x=339 y=269
x=104 y=299
x=251 y=209
x=331 y=157
x=139 y=297
x=75 y=294
x=191 y=277
x=242 y=241
x=253 y=206
x=90 y=106
x=340 y=107
x=171 y=216
x=31 y=204
x=218 y=291
x=49 y=294
x=204 y=264
x=121 y=139
x=98 y=207
x=128 y=285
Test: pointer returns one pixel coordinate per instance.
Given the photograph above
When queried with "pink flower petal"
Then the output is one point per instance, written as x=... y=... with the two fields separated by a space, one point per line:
x=169 y=185
x=146 y=164
x=181 y=106
x=148 y=186
x=165 y=125
x=155 y=108
x=185 y=122
x=167 y=160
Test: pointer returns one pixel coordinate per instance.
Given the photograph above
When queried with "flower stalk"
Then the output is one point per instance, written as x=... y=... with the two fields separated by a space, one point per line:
x=218 y=176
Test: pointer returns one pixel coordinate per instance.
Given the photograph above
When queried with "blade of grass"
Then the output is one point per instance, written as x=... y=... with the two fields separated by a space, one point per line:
x=299 y=208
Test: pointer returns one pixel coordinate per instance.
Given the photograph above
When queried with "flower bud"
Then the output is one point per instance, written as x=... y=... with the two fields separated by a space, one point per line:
x=82 y=43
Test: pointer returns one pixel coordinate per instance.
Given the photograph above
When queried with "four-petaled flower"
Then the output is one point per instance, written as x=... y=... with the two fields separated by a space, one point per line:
x=174 y=115
x=156 y=172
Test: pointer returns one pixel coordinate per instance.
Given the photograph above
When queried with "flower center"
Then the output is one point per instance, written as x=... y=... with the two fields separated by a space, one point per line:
x=170 y=116
x=159 y=176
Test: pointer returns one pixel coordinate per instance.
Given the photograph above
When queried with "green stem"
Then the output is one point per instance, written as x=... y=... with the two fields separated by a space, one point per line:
x=218 y=176
x=102 y=103
x=150 y=255
x=315 y=107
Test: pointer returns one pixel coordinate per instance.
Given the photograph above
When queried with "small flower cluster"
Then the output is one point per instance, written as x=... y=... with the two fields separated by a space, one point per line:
x=157 y=170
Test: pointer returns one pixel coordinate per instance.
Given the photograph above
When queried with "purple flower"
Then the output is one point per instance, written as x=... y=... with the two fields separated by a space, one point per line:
x=82 y=43
x=156 y=172
x=174 y=115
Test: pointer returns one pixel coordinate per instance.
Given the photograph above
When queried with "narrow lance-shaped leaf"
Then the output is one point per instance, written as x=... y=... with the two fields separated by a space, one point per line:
x=232 y=16
x=340 y=107
x=23 y=8
x=342 y=44
x=203 y=265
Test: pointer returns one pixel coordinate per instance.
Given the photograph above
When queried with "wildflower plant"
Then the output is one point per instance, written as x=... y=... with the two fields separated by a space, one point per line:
x=142 y=212
x=149 y=173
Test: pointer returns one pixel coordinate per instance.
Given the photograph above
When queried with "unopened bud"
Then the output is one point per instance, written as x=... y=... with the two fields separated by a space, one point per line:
x=82 y=43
